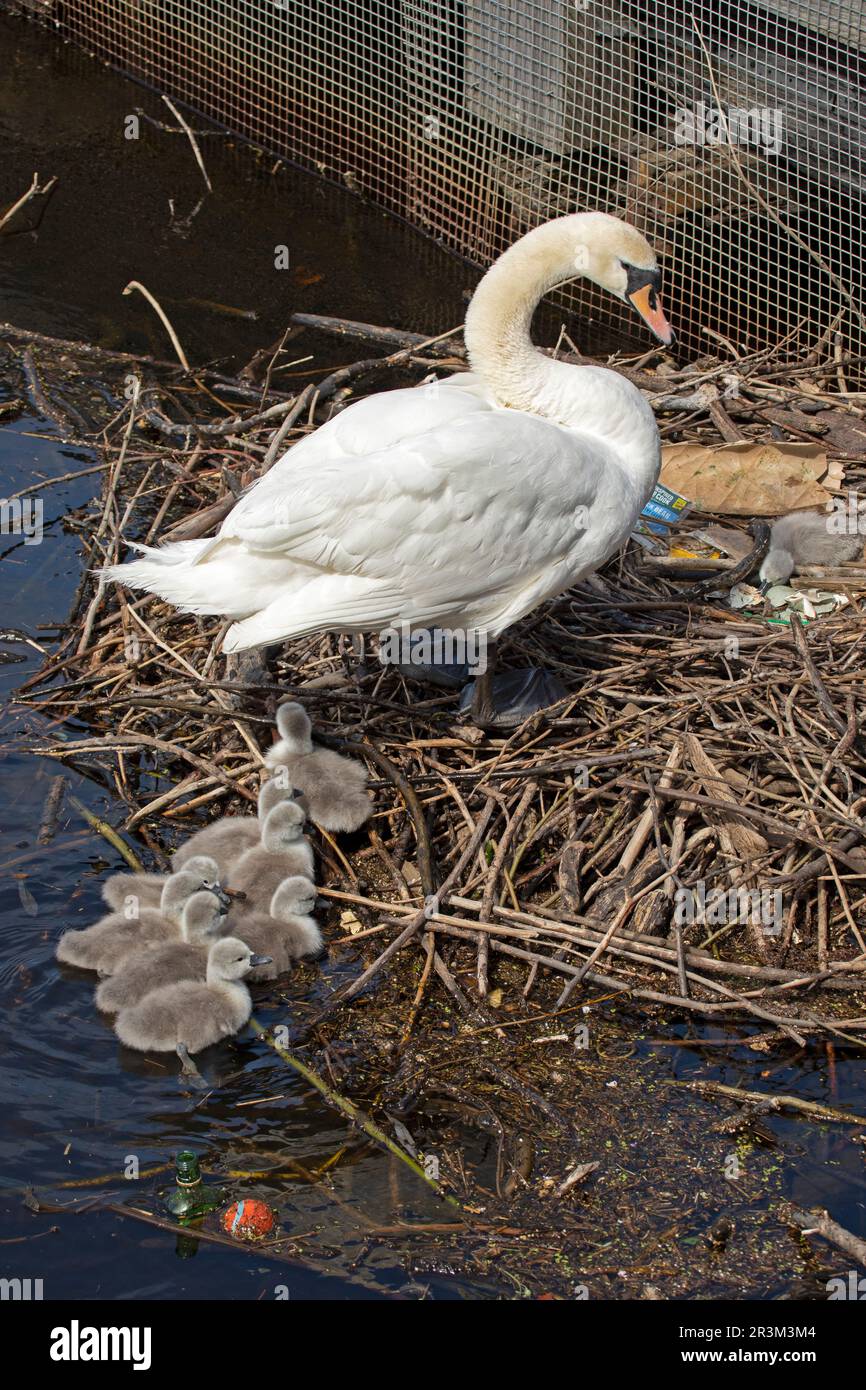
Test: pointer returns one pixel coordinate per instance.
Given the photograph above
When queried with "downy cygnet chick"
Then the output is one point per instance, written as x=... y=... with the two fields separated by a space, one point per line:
x=333 y=787
x=147 y=888
x=227 y=838
x=807 y=538
x=188 y=1016
x=288 y=933
x=103 y=946
x=152 y=967
x=283 y=851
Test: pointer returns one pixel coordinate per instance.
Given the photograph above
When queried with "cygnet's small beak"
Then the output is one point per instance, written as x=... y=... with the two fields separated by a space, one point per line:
x=765 y=586
x=261 y=960
x=223 y=894
x=646 y=300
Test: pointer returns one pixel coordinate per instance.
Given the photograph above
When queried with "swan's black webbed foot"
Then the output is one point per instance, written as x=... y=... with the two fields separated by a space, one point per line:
x=423 y=657
x=504 y=701
x=449 y=676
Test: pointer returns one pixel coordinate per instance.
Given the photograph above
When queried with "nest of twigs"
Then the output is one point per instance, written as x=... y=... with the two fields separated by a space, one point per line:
x=684 y=828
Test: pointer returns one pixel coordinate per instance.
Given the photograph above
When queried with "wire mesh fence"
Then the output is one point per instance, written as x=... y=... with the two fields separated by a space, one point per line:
x=732 y=134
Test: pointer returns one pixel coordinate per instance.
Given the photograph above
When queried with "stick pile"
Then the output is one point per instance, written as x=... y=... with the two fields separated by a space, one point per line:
x=686 y=827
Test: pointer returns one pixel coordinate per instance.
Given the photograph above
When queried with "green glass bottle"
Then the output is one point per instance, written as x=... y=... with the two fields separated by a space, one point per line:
x=190 y=1198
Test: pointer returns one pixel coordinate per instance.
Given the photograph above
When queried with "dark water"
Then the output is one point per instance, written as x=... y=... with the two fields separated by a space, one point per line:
x=76 y=1107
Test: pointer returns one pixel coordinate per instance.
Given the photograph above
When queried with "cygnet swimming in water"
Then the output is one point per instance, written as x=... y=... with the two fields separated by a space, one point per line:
x=333 y=787
x=288 y=933
x=283 y=852
x=120 y=889
x=104 y=945
x=188 y=1016
x=153 y=966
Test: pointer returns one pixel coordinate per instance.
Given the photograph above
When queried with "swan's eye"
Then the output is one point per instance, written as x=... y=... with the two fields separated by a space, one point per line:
x=639 y=278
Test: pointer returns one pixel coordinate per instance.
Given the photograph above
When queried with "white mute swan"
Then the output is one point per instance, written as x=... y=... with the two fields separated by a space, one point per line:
x=458 y=506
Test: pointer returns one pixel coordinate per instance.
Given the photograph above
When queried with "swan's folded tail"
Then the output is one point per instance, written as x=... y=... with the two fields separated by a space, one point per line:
x=340 y=602
x=174 y=573
x=170 y=572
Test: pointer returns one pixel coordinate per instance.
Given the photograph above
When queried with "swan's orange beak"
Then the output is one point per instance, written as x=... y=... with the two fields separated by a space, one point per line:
x=647 y=302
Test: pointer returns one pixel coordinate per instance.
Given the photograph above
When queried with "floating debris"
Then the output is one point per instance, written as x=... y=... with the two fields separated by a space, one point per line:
x=250 y=1219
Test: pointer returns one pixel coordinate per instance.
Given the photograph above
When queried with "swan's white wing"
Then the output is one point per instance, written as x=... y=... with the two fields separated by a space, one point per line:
x=366 y=428
x=445 y=525
x=387 y=418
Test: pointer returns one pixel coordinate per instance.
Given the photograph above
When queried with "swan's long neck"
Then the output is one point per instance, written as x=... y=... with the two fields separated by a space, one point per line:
x=593 y=400
x=499 y=317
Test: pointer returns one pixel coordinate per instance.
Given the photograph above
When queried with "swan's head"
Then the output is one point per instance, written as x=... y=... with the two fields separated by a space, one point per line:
x=293 y=725
x=611 y=253
x=232 y=959
x=273 y=793
x=283 y=827
x=203 y=917
x=207 y=871
x=777 y=568
x=295 y=897
x=177 y=891
x=615 y=256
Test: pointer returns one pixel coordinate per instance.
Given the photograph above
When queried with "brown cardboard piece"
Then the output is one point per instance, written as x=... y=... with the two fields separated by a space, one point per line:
x=751 y=479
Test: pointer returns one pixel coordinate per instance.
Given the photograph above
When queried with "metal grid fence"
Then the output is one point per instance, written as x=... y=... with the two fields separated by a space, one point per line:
x=731 y=133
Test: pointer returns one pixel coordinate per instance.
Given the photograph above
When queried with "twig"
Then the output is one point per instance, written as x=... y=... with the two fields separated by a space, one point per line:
x=351 y=1111
x=110 y=834
x=51 y=810
x=819 y=1222
x=494 y=871
x=34 y=191
x=192 y=140
x=175 y=342
x=774 y=1102
x=818 y=685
